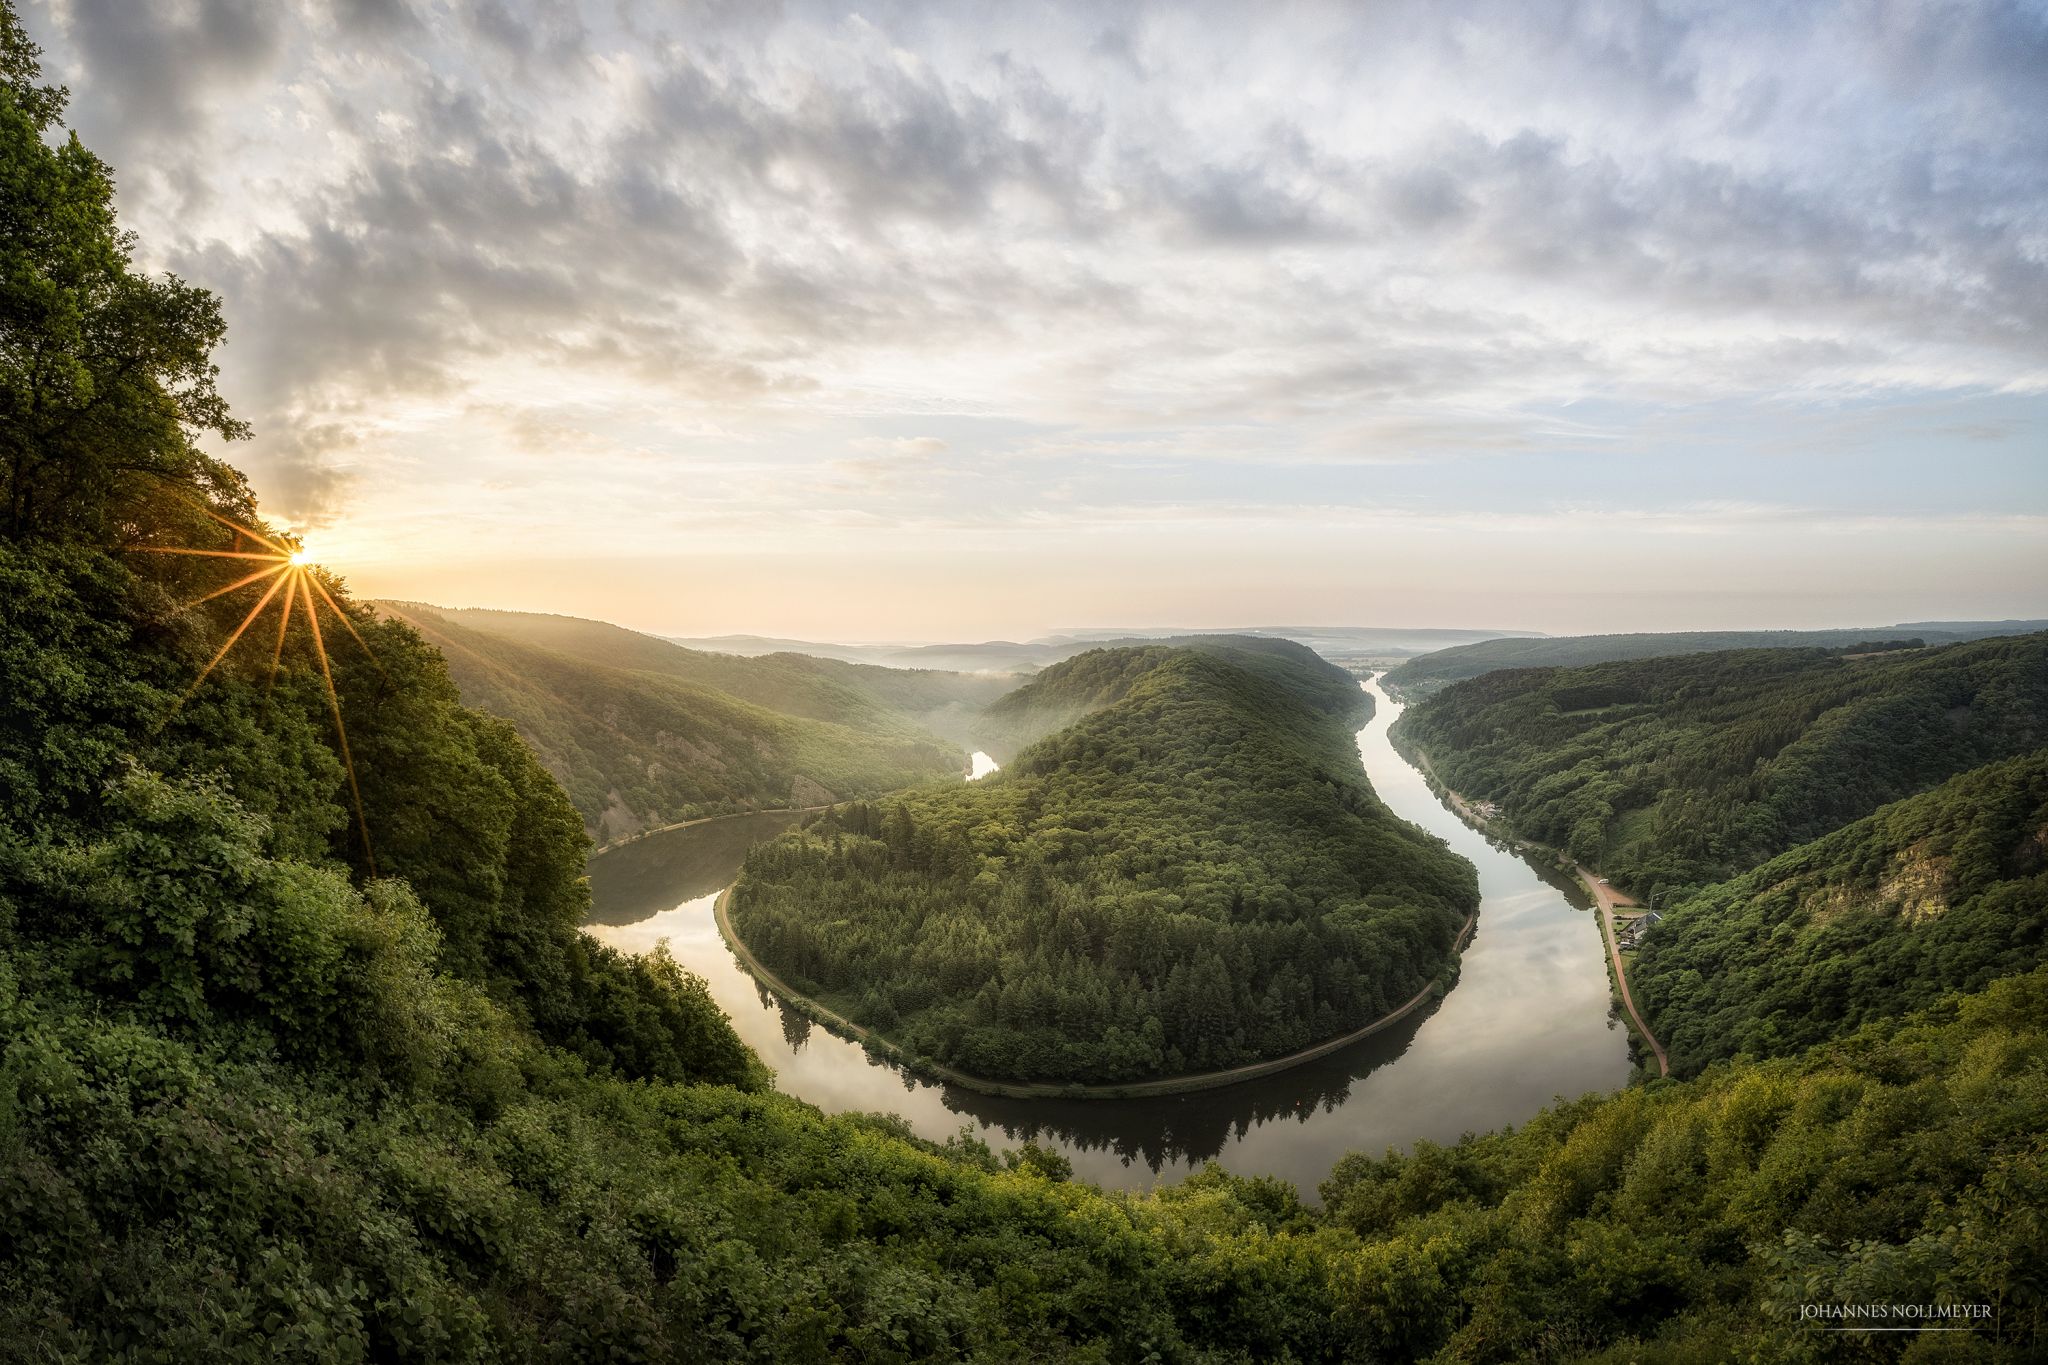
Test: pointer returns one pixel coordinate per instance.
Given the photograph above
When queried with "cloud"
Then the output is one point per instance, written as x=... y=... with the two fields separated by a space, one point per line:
x=1342 y=232
x=906 y=463
x=904 y=446
x=154 y=67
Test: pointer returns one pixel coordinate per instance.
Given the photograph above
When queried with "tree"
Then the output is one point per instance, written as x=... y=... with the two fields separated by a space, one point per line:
x=106 y=375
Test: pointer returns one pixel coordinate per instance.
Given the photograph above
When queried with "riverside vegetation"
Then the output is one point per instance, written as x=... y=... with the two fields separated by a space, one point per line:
x=1194 y=876
x=1831 y=840
x=259 y=1103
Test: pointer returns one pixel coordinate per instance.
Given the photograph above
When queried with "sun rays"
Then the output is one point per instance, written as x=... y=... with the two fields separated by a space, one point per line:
x=287 y=569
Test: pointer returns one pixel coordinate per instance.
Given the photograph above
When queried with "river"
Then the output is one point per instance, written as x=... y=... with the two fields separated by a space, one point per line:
x=1529 y=1020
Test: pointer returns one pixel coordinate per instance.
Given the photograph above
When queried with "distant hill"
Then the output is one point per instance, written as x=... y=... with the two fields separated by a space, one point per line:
x=1429 y=673
x=1101 y=675
x=1339 y=644
x=1348 y=646
x=641 y=733
x=991 y=656
x=869 y=696
x=1947 y=890
x=753 y=646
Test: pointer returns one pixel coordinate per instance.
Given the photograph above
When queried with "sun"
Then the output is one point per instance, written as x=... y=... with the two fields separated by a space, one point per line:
x=289 y=570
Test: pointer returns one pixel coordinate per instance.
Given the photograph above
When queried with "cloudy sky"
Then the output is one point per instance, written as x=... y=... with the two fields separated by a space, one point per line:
x=881 y=320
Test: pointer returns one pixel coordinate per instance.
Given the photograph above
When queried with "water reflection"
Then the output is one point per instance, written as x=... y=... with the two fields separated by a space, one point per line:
x=1175 y=1133
x=1528 y=1021
x=655 y=872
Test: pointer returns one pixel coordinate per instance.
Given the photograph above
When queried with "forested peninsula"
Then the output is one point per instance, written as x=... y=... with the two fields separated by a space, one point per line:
x=1195 y=875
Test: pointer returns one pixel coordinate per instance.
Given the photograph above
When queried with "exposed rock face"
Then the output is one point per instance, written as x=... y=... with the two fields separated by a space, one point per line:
x=804 y=792
x=619 y=820
x=1916 y=887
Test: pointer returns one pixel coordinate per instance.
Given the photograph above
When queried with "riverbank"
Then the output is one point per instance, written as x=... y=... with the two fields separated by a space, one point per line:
x=1604 y=897
x=1170 y=1085
x=624 y=840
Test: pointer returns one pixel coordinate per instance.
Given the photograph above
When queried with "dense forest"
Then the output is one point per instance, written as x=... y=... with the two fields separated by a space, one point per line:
x=1942 y=891
x=639 y=746
x=1422 y=677
x=1831 y=840
x=1195 y=876
x=288 y=1076
x=1670 y=773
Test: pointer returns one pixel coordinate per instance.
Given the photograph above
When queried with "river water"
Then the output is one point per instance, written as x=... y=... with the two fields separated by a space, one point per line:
x=1528 y=1021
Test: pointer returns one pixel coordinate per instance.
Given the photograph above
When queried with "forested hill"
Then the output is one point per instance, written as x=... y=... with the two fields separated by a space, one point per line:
x=1428 y=674
x=1943 y=891
x=913 y=702
x=1195 y=876
x=1670 y=773
x=1831 y=839
x=637 y=747
x=1101 y=676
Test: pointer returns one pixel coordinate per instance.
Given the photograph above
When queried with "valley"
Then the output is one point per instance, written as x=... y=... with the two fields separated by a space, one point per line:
x=388 y=981
x=1526 y=1020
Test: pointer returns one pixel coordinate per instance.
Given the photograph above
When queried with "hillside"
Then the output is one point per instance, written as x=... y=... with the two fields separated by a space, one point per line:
x=1670 y=773
x=912 y=703
x=1100 y=676
x=1427 y=674
x=1194 y=876
x=1691 y=1221
x=639 y=747
x=1943 y=891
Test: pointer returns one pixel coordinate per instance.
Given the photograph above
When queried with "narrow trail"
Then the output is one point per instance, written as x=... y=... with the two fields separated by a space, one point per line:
x=1607 y=898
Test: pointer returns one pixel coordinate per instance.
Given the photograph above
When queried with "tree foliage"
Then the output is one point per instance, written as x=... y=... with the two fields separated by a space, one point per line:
x=1776 y=807
x=1670 y=773
x=1098 y=677
x=106 y=375
x=1943 y=891
x=1427 y=674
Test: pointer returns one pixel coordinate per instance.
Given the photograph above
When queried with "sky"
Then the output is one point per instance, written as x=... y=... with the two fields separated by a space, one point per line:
x=944 y=321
